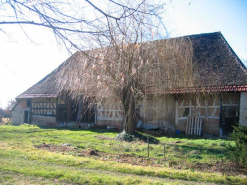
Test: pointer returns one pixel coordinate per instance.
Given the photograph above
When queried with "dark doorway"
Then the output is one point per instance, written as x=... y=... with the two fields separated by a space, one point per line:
x=230 y=117
x=26 y=116
x=67 y=111
x=61 y=113
x=73 y=110
x=86 y=112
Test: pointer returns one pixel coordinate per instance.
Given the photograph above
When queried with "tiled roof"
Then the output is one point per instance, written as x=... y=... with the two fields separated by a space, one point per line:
x=218 y=69
x=226 y=88
x=217 y=64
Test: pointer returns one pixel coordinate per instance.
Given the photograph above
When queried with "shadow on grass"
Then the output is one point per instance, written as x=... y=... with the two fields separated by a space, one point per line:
x=34 y=128
x=136 y=136
x=185 y=149
x=193 y=137
x=68 y=128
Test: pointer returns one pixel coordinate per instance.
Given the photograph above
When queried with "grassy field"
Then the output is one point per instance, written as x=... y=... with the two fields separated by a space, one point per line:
x=33 y=155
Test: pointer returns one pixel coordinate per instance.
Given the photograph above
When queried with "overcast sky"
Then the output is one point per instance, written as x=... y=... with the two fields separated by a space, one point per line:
x=23 y=63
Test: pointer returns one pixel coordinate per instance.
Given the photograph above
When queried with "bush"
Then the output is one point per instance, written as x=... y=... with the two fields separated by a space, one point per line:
x=125 y=137
x=5 y=123
x=136 y=136
x=238 y=151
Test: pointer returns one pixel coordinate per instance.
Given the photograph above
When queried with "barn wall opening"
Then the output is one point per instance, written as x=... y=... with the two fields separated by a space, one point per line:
x=230 y=112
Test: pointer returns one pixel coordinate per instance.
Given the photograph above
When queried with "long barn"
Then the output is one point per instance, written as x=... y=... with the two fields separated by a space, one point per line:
x=209 y=107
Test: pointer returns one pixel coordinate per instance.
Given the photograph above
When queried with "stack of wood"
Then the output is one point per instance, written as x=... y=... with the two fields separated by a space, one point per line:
x=194 y=126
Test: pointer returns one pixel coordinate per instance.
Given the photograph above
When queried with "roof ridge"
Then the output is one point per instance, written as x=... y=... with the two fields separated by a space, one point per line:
x=198 y=35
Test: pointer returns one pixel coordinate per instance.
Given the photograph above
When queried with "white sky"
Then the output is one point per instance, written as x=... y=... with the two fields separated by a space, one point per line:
x=22 y=63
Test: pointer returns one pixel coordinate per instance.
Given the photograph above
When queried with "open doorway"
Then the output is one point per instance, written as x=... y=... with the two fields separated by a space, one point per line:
x=230 y=117
x=75 y=111
x=86 y=113
x=229 y=112
x=26 y=116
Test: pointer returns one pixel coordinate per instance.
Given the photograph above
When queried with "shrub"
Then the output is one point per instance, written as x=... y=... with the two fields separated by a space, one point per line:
x=5 y=123
x=125 y=137
x=136 y=136
x=238 y=151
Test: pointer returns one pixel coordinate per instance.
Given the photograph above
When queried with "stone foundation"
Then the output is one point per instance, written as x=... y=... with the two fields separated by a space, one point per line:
x=43 y=120
x=105 y=123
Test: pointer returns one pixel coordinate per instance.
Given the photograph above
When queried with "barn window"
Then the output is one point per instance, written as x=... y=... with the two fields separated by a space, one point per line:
x=28 y=102
x=43 y=106
x=186 y=112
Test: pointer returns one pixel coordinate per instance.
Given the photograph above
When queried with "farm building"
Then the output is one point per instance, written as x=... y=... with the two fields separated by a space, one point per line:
x=211 y=105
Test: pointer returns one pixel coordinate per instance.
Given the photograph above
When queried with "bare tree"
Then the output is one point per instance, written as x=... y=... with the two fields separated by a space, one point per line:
x=132 y=64
x=10 y=105
x=119 y=59
x=72 y=22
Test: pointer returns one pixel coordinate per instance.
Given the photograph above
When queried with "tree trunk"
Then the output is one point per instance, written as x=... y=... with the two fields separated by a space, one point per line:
x=129 y=109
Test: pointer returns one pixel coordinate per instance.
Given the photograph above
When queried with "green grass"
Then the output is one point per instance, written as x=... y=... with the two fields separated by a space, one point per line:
x=33 y=153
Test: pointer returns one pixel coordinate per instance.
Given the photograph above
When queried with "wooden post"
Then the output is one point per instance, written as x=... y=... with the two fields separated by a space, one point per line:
x=187 y=124
x=148 y=145
x=200 y=127
x=176 y=112
x=164 y=151
x=189 y=127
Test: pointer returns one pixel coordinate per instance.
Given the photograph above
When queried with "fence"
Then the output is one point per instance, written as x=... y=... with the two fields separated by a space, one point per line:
x=177 y=147
x=180 y=155
x=176 y=153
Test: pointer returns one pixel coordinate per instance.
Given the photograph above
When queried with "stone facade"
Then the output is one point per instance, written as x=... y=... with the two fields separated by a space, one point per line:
x=18 y=112
x=43 y=120
x=243 y=109
x=219 y=111
x=158 y=110
x=110 y=123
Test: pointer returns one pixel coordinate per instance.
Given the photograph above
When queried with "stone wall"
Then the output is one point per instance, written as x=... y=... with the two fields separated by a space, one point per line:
x=243 y=109
x=18 y=112
x=211 y=126
x=158 y=110
x=43 y=120
x=114 y=123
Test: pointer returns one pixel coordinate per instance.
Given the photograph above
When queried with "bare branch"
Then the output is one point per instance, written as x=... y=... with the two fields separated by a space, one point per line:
x=98 y=9
x=48 y=26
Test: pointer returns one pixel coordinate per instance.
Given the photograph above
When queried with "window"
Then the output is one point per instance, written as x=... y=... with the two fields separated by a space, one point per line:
x=186 y=112
x=43 y=106
x=28 y=102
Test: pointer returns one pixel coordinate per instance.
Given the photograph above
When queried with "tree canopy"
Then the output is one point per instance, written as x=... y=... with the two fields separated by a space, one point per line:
x=75 y=22
x=119 y=57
